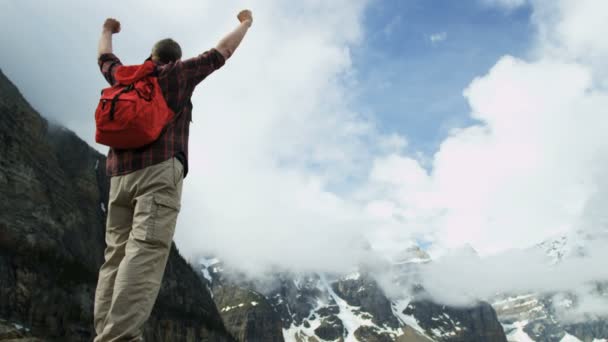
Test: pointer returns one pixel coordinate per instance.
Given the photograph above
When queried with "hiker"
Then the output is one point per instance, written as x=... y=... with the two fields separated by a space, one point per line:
x=146 y=186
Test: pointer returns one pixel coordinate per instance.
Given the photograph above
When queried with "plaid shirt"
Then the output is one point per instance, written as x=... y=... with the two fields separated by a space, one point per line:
x=177 y=81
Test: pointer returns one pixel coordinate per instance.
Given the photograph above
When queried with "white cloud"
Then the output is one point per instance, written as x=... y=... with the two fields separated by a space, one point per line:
x=263 y=164
x=521 y=175
x=392 y=143
x=508 y=4
x=574 y=31
x=390 y=27
x=438 y=37
x=459 y=277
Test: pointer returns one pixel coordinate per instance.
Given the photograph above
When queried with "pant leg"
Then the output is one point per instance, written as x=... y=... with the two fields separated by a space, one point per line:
x=118 y=227
x=140 y=273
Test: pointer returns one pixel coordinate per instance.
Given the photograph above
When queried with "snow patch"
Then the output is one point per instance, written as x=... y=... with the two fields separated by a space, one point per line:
x=413 y=261
x=350 y=320
x=411 y=321
x=569 y=338
x=300 y=333
x=228 y=308
x=518 y=334
x=509 y=300
x=208 y=262
x=207 y=275
x=353 y=276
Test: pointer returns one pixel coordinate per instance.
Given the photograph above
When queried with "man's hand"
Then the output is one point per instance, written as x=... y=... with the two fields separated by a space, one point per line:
x=111 y=25
x=245 y=17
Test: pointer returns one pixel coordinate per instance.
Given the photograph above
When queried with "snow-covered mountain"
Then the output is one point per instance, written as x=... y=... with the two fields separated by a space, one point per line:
x=542 y=317
x=535 y=317
x=354 y=307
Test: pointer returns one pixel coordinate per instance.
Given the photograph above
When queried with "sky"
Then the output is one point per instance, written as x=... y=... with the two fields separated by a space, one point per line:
x=345 y=130
x=418 y=55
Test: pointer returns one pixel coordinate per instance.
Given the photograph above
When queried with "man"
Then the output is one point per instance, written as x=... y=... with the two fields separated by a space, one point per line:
x=146 y=187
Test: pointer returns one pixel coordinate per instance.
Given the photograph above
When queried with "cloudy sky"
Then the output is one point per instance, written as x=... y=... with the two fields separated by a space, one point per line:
x=343 y=125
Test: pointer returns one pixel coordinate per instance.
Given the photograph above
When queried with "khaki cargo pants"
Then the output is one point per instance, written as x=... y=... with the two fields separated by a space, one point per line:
x=142 y=212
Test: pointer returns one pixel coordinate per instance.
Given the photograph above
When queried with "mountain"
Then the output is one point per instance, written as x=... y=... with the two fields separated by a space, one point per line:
x=324 y=307
x=540 y=317
x=54 y=194
x=535 y=317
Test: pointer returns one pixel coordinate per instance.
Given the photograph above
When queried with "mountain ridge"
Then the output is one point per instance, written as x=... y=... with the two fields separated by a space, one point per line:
x=353 y=307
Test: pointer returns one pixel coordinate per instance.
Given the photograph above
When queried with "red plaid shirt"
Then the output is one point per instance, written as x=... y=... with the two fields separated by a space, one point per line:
x=177 y=81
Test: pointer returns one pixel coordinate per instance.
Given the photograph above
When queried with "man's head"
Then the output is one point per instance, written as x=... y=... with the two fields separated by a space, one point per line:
x=166 y=51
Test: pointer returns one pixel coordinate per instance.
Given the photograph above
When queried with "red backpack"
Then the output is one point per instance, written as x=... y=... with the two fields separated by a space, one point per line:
x=133 y=112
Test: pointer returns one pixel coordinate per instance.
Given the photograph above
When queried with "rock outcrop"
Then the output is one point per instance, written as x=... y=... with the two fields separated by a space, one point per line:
x=477 y=323
x=247 y=314
x=364 y=293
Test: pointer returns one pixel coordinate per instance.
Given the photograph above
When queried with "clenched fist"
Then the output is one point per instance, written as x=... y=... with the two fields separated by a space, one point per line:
x=245 y=17
x=112 y=25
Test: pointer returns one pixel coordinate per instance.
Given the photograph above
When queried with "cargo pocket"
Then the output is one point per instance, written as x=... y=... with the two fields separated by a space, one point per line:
x=178 y=171
x=155 y=219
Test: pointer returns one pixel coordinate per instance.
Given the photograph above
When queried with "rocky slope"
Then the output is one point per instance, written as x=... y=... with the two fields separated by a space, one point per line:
x=477 y=323
x=54 y=193
x=246 y=313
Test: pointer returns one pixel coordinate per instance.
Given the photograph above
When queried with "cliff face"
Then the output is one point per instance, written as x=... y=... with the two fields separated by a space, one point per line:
x=477 y=323
x=247 y=314
x=54 y=195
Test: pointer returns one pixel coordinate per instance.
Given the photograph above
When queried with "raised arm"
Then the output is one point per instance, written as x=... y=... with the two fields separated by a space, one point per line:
x=110 y=26
x=230 y=42
x=105 y=58
x=196 y=69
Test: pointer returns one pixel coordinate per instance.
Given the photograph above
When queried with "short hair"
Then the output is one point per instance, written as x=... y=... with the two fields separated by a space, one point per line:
x=167 y=51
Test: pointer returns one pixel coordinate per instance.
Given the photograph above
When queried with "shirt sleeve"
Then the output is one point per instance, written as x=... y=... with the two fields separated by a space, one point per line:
x=196 y=69
x=107 y=64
